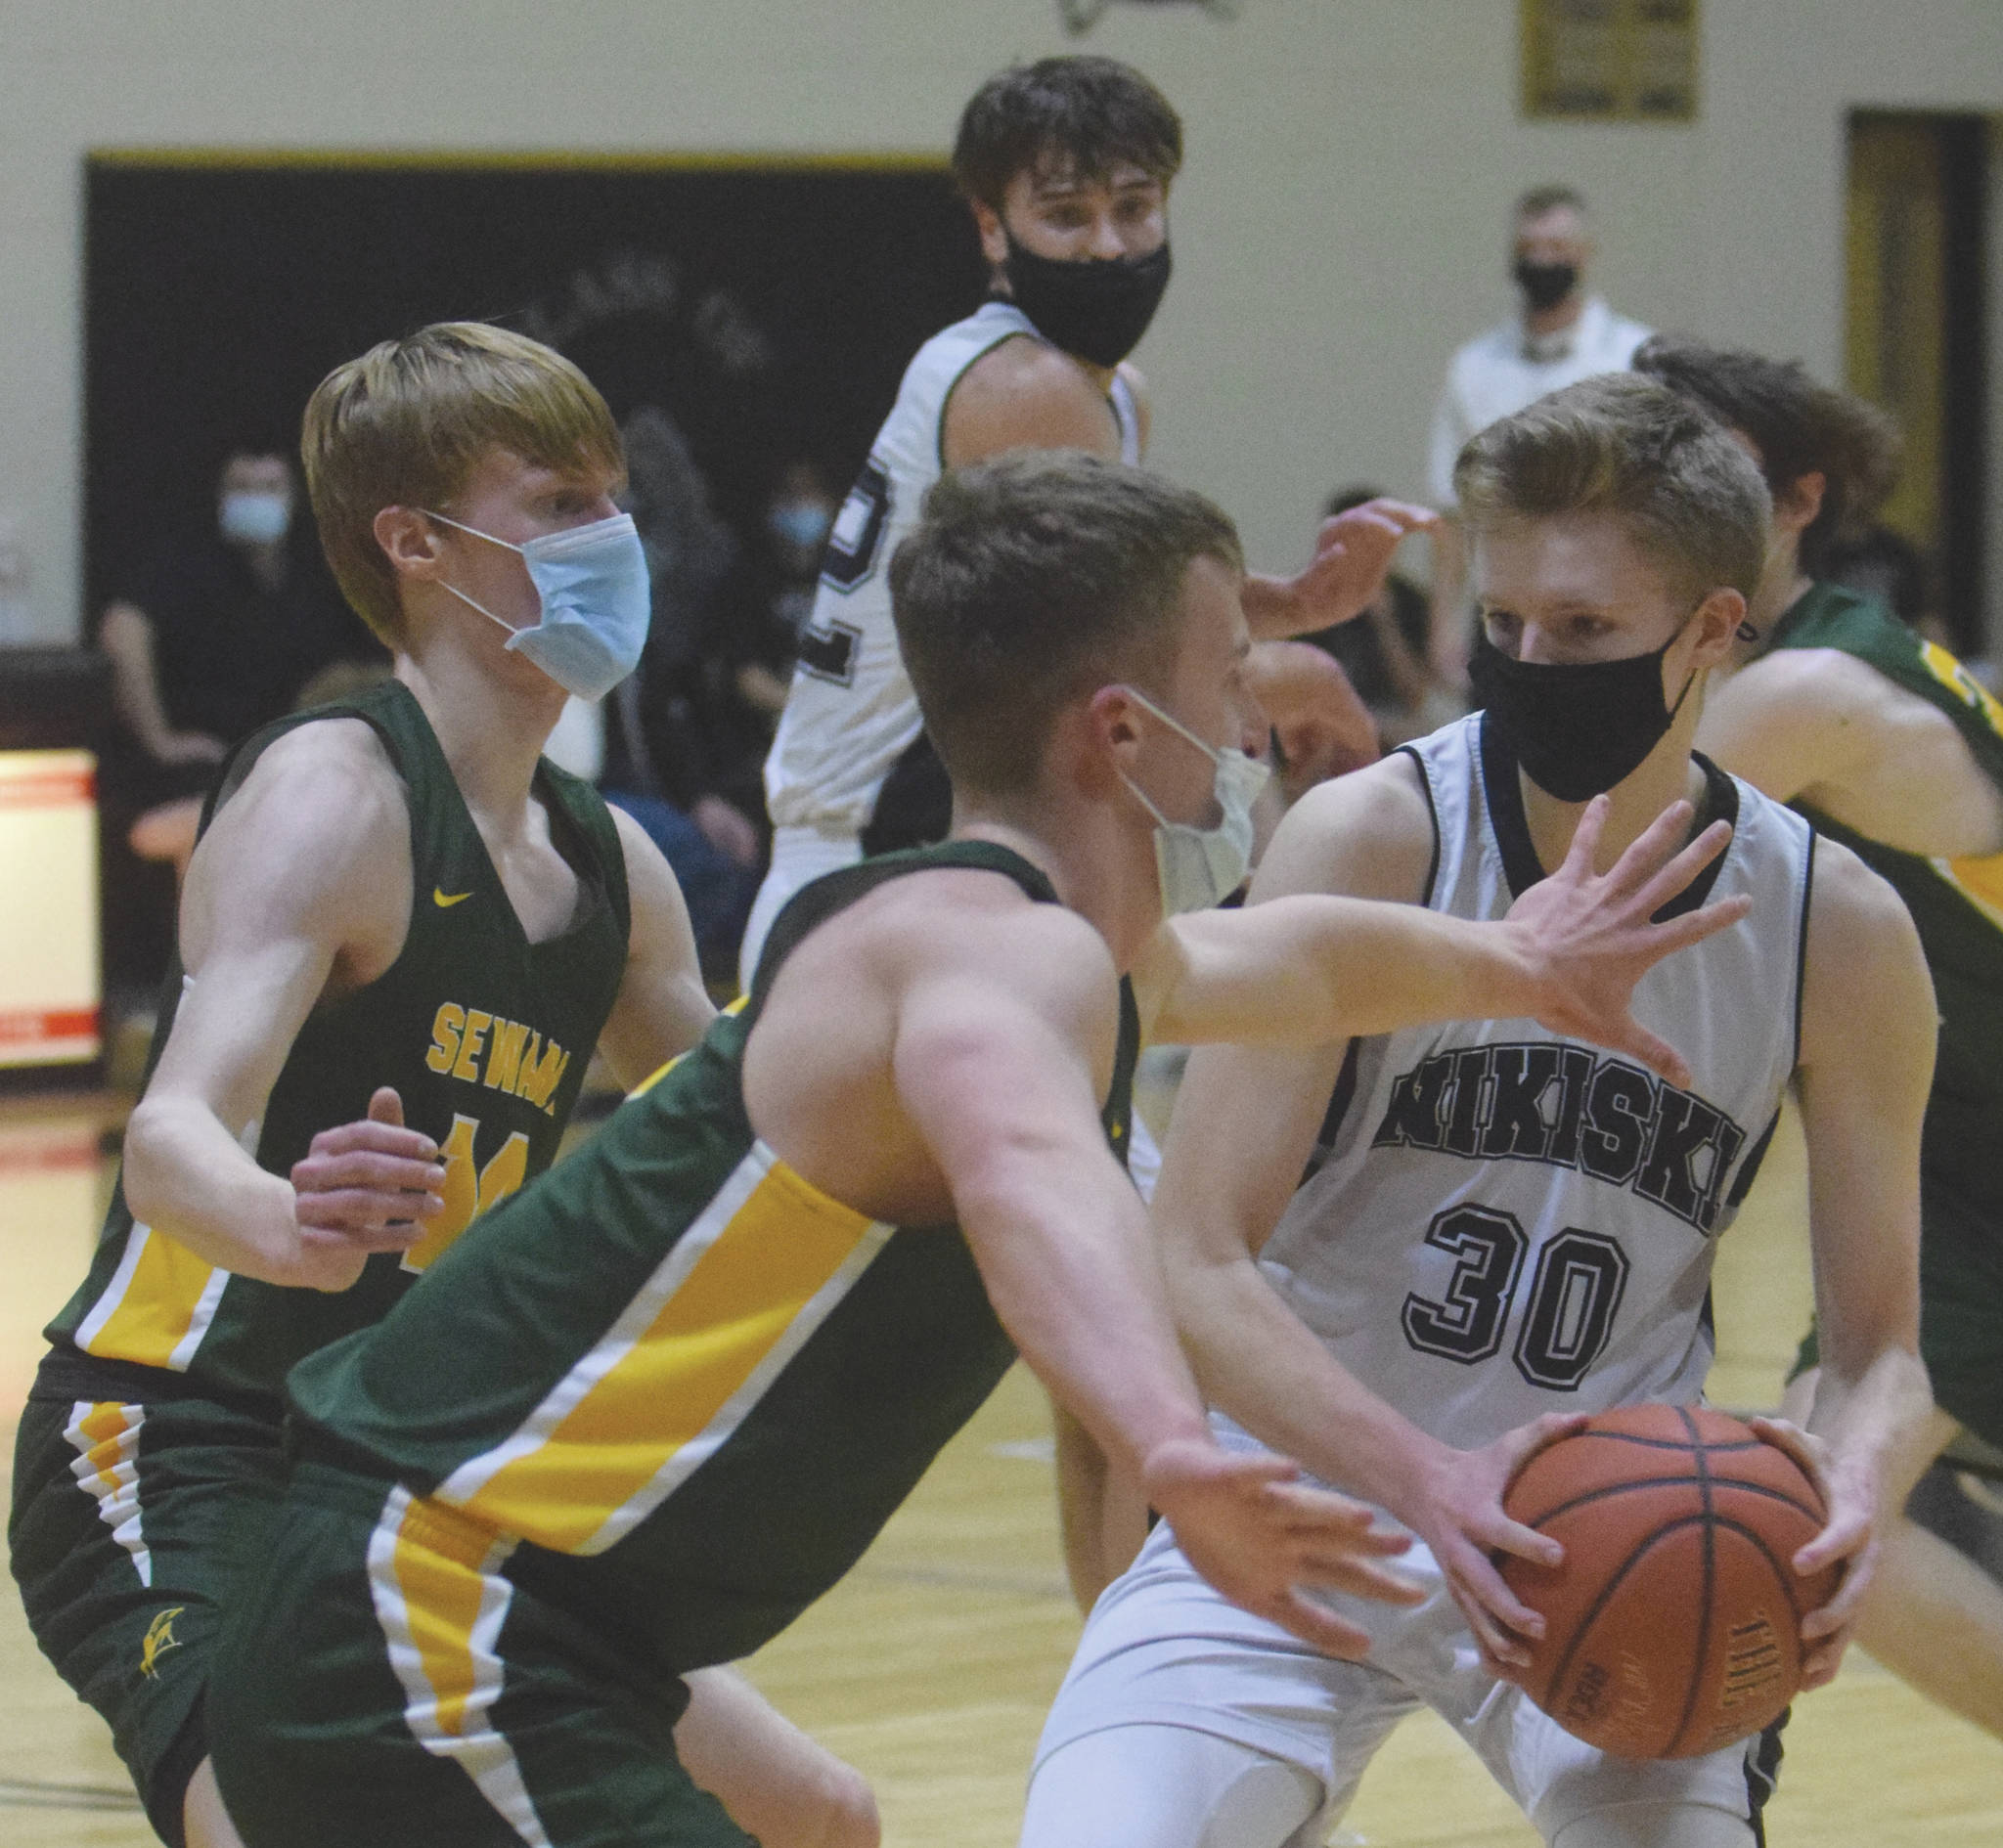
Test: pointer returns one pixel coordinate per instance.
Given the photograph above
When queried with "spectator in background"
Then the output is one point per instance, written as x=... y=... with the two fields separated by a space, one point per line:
x=1562 y=335
x=774 y=596
x=213 y=636
x=1384 y=650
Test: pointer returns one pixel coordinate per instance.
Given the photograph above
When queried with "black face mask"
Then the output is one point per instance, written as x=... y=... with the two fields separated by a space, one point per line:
x=1546 y=285
x=1095 y=307
x=1580 y=727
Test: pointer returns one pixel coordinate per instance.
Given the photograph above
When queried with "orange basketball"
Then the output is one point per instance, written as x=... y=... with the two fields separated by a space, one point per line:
x=1674 y=1627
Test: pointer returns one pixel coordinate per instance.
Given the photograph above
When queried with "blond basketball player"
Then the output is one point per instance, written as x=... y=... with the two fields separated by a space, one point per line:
x=1499 y=1228
x=400 y=920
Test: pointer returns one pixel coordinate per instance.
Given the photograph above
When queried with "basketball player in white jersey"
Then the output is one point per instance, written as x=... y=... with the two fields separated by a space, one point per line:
x=1066 y=164
x=1499 y=1226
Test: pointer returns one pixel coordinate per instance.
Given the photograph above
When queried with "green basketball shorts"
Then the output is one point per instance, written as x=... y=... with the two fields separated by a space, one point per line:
x=132 y=1522
x=382 y=1683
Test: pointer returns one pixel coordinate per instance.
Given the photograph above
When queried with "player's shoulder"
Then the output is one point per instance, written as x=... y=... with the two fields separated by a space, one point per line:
x=975 y=928
x=1853 y=911
x=1367 y=834
x=1023 y=393
x=324 y=789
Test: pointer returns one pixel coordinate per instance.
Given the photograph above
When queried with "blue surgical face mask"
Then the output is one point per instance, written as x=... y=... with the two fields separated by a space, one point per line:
x=596 y=599
x=801 y=524
x=1200 y=868
x=251 y=516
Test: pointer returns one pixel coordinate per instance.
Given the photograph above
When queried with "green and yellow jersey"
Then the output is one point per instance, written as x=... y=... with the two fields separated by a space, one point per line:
x=675 y=1389
x=1957 y=905
x=485 y=1035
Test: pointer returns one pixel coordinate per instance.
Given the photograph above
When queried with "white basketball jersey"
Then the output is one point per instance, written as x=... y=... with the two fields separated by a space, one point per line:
x=850 y=713
x=1504 y=1223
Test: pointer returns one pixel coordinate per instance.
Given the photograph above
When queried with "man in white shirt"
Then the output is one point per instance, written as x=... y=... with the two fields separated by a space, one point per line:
x=1564 y=334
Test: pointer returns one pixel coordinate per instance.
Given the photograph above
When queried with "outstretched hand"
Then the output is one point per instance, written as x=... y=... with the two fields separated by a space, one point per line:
x=364 y=1187
x=1266 y=1540
x=1589 y=939
x=1353 y=551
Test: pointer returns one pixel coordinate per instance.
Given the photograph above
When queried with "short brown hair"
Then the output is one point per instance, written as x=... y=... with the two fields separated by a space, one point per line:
x=1083 y=114
x=408 y=422
x=1034 y=580
x=1553 y=196
x=1689 y=497
x=1798 y=427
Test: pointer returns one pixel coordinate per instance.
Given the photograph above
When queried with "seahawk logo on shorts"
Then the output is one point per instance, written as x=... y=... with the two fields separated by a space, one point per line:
x=159 y=1639
x=1561 y=1105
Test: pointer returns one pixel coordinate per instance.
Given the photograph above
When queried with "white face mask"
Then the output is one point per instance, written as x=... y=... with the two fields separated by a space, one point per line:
x=1200 y=868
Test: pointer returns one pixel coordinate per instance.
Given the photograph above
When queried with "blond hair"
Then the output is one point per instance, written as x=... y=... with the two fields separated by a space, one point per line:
x=1689 y=497
x=407 y=424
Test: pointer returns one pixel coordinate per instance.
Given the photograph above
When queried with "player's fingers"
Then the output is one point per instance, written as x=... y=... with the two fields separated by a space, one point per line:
x=1503 y=1535
x=1499 y=1642
x=389 y=1139
x=1473 y=1577
x=366 y=1168
x=391 y=1236
x=353 y=1212
x=1318 y=1626
x=385 y=1106
x=1693 y=927
x=1809 y=1453
x=1586 y=839
x=1659 y=882
x=1655 y=1052
x=1322 y=1510
x=1844 y=1538
x=1359 y=1577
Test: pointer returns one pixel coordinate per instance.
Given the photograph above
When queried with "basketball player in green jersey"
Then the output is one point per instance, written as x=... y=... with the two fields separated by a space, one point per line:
x=1892 y=747
x=669 y=1395
x=397 y=910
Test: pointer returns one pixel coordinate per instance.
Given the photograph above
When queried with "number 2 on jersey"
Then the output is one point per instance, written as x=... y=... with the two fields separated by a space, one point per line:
x=468 y=1191
x=1569 y=1306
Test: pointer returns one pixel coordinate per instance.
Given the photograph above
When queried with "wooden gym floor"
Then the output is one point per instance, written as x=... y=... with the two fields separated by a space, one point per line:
x=931 y=1667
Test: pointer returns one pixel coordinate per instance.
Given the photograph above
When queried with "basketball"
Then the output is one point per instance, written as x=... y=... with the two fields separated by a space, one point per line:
x=1674 y=1626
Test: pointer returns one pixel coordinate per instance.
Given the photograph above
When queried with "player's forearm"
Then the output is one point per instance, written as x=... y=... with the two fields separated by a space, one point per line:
x=1259 y=1363
x=186 y=1176
x=1383 y=967
x=1069 y=1271
x=1874 y=1417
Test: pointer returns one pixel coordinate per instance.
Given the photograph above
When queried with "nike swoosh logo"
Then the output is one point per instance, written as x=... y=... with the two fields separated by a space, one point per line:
x=444 y=899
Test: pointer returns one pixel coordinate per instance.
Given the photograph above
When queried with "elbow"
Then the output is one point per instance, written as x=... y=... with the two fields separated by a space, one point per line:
x=141 y=1174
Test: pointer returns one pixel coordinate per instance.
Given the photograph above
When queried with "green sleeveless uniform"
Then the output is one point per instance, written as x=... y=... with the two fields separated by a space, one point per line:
x=659 y=1407
x=150 y=1452
x=1957 y=906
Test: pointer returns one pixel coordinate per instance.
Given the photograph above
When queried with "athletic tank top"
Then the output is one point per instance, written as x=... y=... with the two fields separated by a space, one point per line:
x=1501 y=1222
x=485 y=1035
x=850 y=713
x=1957 y=905
x=681 y=1384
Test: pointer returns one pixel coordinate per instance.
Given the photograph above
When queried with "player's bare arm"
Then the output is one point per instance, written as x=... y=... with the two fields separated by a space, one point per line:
x=1309 y=968
x=1868 y=1028
x=1244 y=1126
x=999 y=1064
x=662 y=1009
x=300 y=891
x=1823 y=726
x=1025 y=394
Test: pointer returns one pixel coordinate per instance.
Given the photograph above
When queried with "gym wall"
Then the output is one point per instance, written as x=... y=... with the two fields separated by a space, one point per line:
x=1340 y=227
